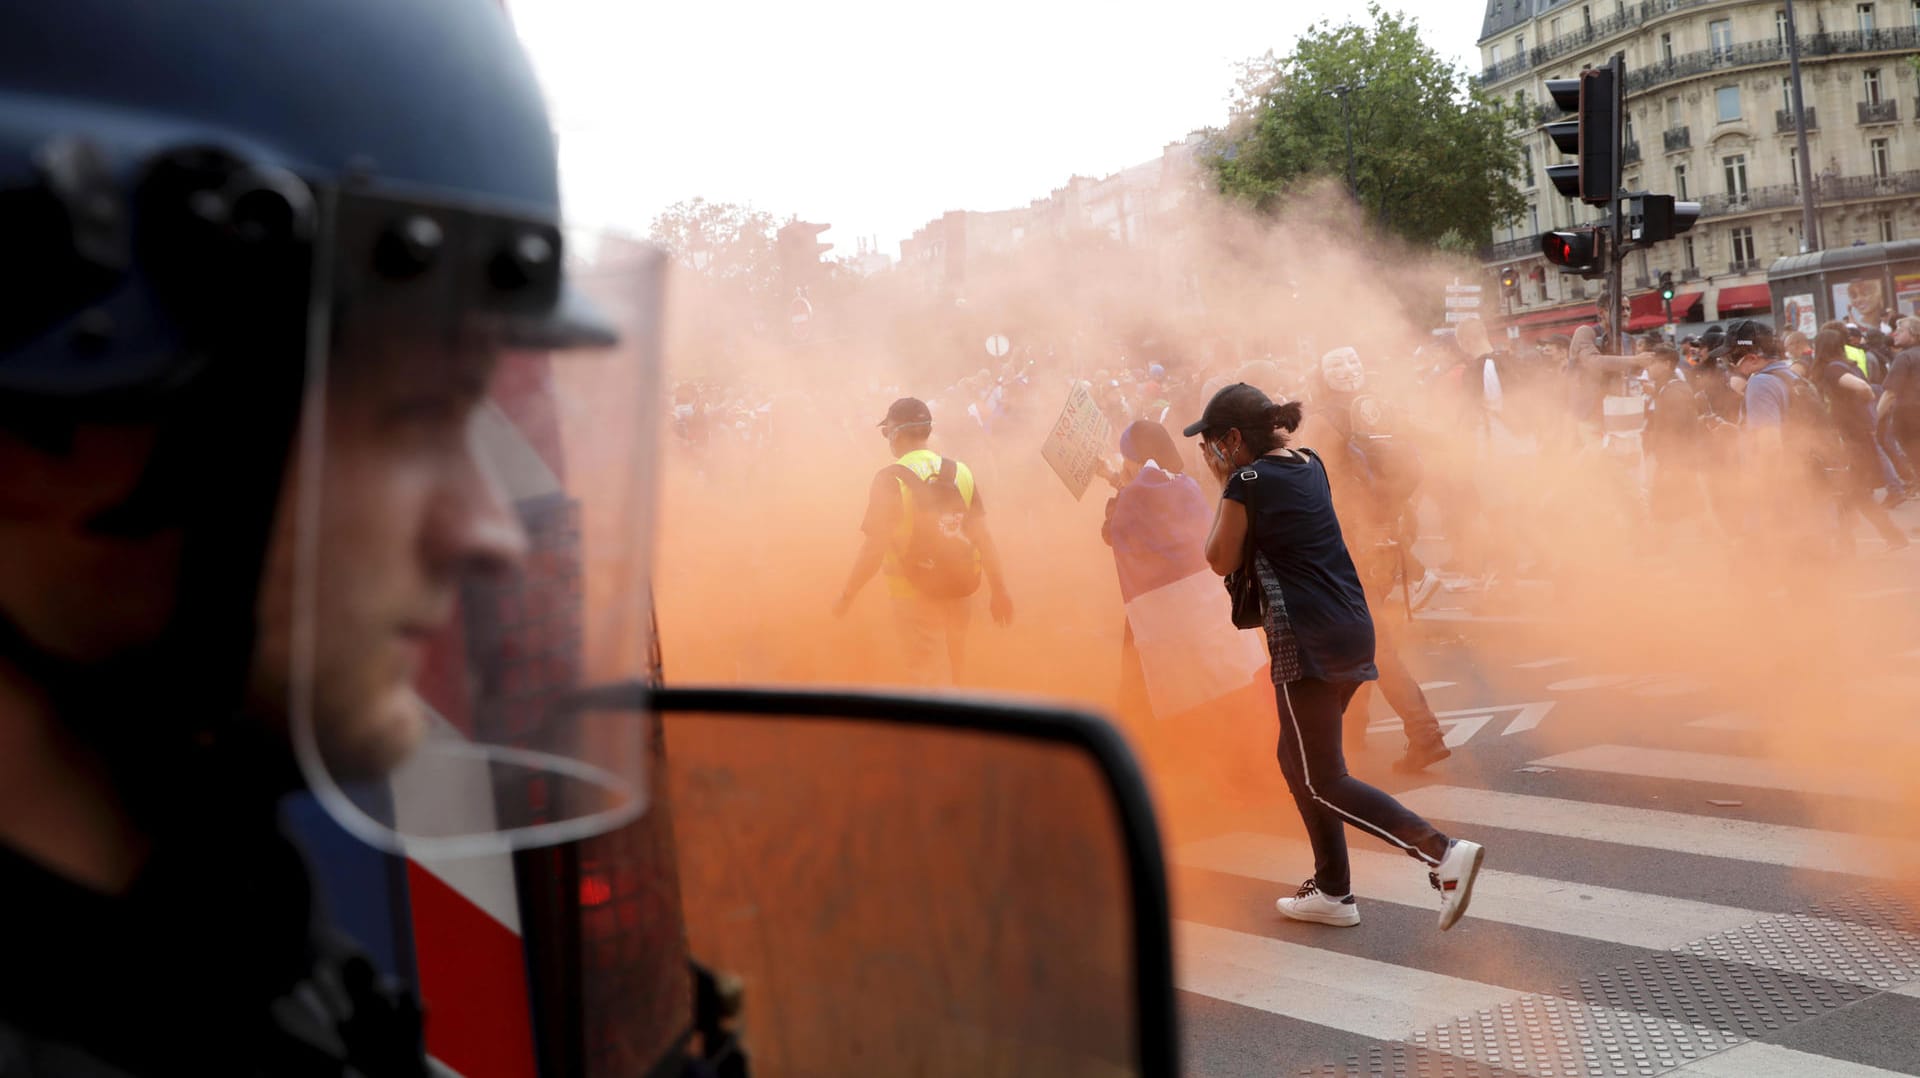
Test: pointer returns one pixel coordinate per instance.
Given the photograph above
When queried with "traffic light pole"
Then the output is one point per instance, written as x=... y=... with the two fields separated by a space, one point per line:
x=1616 y=250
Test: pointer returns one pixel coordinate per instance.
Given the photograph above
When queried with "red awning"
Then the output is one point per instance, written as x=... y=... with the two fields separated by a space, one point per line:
x=1648 y=311
x=1743 y=298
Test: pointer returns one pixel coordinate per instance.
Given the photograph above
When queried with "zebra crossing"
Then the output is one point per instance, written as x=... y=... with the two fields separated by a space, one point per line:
x=1603 y=939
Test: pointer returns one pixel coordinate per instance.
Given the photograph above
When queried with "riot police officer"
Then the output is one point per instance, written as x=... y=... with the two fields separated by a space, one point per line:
x=285 y=455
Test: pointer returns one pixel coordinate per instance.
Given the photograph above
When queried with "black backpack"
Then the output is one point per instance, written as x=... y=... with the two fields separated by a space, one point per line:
x=1810 y=423
x=940 y=561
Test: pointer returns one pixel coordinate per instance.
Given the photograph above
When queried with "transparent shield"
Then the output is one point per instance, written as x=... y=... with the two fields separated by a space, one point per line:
x=907 y=898
x=474 y=507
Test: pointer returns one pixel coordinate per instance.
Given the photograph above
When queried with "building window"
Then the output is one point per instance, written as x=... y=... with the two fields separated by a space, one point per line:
x=1793 y=166
x=1673 y=112
x=1533 y=217
x=1886 y=226
x=1666 y=47
x=1727 y=99
x=1871 y=78
x=1780 y=26
x=1526 y=167
x=1493 y=56
x=1586 y=16
x=1680 y=182
x=1863 y=14
x=1916 y=13
x=1786 y=94
x=1735 y=168
x=1882 y=163
x=1743 y=246
x=1519 y=44
x=1686 y=250
x=1720 y=32
x=1553 y=29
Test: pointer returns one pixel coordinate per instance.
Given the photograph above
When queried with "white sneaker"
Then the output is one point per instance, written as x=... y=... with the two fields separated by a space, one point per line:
x=1454 y=877
x=1308 y=904
x=1424 y=589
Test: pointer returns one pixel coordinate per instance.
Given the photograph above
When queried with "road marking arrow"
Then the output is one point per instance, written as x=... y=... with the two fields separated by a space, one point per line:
x=1463 y=724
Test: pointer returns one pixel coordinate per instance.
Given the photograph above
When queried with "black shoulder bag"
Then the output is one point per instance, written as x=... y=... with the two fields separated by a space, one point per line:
x=1243 y=584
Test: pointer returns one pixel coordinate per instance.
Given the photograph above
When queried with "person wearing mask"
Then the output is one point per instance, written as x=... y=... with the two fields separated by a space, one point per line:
x=1374 y=472
x=926 y=528
x=1850 y=400
x=1276 y=520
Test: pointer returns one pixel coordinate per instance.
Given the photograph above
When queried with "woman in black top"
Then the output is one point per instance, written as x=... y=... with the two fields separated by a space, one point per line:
x=1850 y=401
x=1278 y=506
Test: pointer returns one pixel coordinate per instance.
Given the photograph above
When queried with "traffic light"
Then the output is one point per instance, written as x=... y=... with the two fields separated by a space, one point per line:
x=1666 y=285
x=1592 y=136
x=800 y=251
x=1660 y=217
x=1509 y=278
x=1577 y=250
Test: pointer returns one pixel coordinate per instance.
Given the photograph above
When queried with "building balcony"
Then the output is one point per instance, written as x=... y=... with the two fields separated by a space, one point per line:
x=1812 y=47
x=1630 y=153
x=1783 y=120
x=1691 y=273
x=1746 y=265
x=1677 y=138
x=1831 y=189
x=1508 y=250
x=1504 y=70
x=1750 y=53
x=1880 y=112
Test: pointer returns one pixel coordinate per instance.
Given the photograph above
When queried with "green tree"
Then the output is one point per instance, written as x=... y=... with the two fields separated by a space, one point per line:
x=1432 y=153
x=728 y=244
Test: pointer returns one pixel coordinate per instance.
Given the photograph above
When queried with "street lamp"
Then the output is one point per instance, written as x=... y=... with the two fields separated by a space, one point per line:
x=1343 y=91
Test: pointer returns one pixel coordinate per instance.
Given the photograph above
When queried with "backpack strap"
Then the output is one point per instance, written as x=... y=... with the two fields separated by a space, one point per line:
x=949 y=474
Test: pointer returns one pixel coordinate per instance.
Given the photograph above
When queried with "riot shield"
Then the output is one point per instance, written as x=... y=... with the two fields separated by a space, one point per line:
x=908 y=886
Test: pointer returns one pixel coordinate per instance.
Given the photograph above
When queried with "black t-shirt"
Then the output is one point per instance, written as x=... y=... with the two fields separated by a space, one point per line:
x=1290 y=509
x=1903 y=380
x=1852 y=415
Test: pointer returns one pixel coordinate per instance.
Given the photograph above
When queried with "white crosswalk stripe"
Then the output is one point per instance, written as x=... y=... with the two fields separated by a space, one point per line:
x=1359 y=995
x=1720 y=769
x=1756 y=1059
x=1658 y=829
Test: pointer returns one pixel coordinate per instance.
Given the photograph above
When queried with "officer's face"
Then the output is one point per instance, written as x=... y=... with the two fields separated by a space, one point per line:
x=407 y=509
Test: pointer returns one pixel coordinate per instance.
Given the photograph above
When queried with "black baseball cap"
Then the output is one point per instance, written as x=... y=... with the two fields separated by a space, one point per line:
x=1237 y=405
x=1746 y=336
x=907 y=412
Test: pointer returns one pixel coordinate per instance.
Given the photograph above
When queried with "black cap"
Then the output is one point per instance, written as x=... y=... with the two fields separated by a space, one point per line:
x=1237 y=405
x=1744 y=337
x=907 y=412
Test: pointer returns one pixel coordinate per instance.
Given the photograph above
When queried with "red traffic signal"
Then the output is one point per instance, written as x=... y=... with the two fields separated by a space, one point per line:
x=1578 y=249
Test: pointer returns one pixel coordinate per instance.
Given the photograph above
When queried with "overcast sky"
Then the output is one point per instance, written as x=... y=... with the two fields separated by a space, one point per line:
x=877 y=116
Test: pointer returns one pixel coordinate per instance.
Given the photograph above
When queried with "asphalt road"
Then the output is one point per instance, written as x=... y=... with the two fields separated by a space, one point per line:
x=1672 y=886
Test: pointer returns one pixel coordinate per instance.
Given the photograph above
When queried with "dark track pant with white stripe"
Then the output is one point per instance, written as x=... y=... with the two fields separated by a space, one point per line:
x=1330 y=799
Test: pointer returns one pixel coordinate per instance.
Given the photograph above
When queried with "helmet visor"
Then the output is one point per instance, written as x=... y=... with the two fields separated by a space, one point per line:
x=472 y=493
